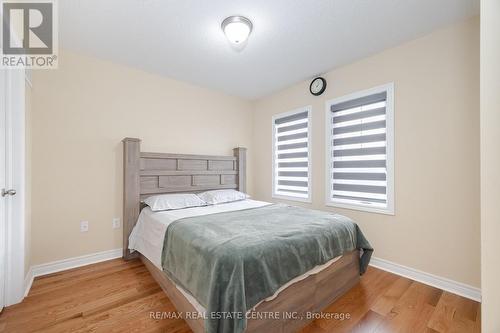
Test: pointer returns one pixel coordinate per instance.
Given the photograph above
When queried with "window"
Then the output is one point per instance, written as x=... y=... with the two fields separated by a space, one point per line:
x=292 y=155
x=360 y=151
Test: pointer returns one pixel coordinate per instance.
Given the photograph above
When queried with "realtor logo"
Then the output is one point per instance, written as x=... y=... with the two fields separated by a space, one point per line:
x=29 y=36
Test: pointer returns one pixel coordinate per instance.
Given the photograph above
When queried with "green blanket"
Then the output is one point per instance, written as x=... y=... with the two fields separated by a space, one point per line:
x=231 y=261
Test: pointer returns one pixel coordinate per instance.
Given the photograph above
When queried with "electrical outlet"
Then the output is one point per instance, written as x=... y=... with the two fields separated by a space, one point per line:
x=116 y=223
x=84 y=226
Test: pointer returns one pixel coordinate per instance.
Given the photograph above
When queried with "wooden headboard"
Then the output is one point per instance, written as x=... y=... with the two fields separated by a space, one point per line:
x=147 y=174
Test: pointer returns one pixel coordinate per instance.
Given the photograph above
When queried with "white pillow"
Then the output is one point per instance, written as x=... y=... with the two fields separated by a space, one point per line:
x=173 y=201
x=221 y=196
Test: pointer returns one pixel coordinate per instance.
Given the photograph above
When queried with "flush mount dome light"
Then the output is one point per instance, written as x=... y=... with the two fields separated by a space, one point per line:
x=237 y=29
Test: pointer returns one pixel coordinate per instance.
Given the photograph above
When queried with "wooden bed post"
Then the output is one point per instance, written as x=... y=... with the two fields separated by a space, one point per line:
x=241 y=165
x=131 y=190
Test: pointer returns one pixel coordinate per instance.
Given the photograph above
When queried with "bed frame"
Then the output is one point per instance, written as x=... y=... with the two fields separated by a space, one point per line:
x=147 y=174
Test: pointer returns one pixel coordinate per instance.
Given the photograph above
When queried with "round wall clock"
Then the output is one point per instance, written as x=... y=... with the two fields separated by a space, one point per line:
x=318 y=86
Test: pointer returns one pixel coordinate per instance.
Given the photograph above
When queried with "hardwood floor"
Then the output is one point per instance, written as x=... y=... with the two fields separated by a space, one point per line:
x=119 y=296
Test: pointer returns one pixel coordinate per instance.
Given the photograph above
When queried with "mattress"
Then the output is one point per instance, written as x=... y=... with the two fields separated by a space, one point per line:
x=148 y=235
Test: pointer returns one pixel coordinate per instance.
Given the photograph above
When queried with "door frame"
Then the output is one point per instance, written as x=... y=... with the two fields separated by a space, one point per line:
x=15 y=153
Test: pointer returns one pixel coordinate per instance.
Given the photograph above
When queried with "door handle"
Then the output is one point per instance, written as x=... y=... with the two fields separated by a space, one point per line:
x=8 y=192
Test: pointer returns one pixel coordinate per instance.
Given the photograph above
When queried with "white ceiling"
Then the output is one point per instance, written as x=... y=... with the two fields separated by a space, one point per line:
x=292 y=40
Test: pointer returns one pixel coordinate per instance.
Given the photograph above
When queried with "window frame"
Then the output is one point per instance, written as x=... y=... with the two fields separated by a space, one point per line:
x=389 y=89
x=274 y=195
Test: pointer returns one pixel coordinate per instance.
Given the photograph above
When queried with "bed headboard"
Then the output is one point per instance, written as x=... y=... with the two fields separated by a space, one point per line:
x=147 y=174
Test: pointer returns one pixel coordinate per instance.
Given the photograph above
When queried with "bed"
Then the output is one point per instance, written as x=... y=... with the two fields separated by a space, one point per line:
x=147 y=174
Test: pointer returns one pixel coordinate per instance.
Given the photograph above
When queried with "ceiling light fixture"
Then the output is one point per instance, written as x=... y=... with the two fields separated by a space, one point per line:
x=237 y=29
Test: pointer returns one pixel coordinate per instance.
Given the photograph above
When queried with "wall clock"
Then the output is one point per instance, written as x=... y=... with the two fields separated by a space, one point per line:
x=318 y=86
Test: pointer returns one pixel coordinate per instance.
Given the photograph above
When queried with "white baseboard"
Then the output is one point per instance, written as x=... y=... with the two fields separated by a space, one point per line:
x=411 y=273
x=429 y=279
x=65 y=264
x=28 y=281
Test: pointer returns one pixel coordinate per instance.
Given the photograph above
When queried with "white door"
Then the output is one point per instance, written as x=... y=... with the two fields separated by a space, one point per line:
x=11 y=179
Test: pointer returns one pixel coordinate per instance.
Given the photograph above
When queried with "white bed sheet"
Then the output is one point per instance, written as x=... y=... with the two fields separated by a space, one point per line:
x=149 y=232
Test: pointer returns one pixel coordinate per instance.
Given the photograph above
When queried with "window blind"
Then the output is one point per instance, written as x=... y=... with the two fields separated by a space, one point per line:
x=291 y=155
x=359 y=151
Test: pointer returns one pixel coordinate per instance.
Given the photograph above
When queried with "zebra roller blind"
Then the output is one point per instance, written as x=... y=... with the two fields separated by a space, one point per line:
x=291 y=174
x=359 y=152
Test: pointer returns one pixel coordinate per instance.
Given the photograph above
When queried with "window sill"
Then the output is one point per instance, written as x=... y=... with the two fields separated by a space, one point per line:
x=362 y=208
x=284 y=197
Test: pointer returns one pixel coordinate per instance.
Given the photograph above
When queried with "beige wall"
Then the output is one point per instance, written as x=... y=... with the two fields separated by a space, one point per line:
x=81 y=112
x=490 y=163
x=436 y=225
